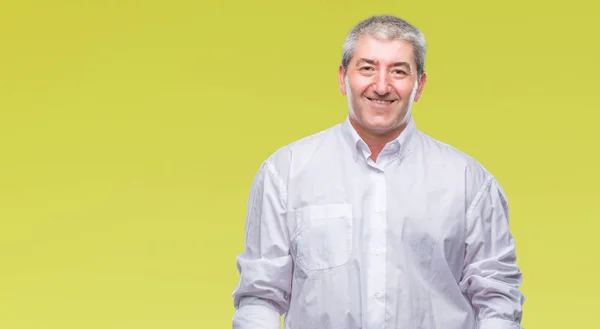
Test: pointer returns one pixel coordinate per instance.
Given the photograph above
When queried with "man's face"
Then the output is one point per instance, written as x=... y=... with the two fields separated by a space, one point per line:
x=381 y=84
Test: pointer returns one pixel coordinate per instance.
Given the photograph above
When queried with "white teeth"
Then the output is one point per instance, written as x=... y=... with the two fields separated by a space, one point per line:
x=379 y=101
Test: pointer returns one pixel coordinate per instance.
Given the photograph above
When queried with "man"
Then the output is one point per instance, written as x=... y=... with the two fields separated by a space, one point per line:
x=373 y=224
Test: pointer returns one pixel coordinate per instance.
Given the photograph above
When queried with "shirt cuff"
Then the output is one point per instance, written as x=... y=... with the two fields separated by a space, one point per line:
x=256 y=317
x=498 y=324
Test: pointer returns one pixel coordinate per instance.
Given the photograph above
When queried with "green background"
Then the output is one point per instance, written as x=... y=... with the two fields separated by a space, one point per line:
x=130 y=132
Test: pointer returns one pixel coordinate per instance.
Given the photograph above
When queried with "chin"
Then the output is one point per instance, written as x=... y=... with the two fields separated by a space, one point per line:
x=379 y=127
x=376 y=122
x=386 y=125
x=381 y=123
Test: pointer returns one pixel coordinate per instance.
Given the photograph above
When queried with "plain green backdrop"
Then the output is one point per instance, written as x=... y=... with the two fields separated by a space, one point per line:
x=130 y=132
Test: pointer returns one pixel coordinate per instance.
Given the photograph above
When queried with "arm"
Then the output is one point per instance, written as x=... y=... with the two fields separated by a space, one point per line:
x=265 y=266
x=491 y=278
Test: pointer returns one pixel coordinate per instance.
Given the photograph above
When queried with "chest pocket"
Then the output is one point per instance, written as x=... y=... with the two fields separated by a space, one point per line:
x=323 y=237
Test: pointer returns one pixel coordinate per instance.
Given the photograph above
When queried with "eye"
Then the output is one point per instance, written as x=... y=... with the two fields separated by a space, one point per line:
x=399 y=72
x=366 y=69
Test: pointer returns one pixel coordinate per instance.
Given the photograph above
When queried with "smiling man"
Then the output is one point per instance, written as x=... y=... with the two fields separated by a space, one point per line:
x=372 y=223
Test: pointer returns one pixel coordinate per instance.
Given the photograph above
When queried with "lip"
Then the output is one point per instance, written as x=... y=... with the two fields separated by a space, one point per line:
x=372 y=101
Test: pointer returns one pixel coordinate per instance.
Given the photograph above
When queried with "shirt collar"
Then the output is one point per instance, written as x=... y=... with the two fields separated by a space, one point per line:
x=358 y=147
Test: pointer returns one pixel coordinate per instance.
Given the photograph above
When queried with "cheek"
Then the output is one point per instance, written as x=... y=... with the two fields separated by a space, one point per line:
x=404 y=88
x=359 y=86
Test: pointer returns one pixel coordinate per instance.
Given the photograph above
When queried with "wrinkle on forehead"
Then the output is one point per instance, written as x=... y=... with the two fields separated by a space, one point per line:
x=366 y=50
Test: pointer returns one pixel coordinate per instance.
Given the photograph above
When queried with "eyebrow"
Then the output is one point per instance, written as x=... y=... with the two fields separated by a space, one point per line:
x=373 y=62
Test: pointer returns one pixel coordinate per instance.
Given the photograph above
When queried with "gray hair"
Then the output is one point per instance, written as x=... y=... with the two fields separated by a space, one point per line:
x=386 y=28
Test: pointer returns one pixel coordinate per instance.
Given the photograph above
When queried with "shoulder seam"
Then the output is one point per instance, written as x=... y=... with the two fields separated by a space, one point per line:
x=479 y=194
x=271 y=168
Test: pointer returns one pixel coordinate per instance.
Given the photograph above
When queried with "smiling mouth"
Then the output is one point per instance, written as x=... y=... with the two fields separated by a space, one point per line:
x=380 y=101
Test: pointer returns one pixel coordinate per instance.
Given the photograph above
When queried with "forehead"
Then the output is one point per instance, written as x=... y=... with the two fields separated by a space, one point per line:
x=384 y=51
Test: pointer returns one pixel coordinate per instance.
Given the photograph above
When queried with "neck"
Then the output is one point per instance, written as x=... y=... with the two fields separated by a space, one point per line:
x=376 y=141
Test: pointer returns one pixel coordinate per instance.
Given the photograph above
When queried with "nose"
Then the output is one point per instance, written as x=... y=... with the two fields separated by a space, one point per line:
x=381 y=85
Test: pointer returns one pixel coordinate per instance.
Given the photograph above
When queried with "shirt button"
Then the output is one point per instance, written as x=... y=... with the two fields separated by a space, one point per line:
x=377 y=210
x=377 y=295
x=377 y=252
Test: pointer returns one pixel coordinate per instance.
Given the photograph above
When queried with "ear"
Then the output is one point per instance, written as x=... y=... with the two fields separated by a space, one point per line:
x=342 y=80
x=422 y=82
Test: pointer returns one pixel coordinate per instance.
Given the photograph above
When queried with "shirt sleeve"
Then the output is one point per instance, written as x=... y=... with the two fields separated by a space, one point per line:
x=265 y=265
x=491 y=277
